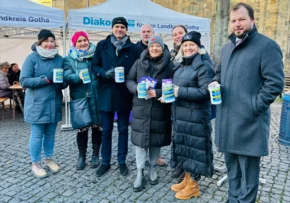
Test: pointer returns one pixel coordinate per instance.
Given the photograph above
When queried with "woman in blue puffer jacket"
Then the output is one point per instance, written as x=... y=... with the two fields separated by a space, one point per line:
x=43 y=100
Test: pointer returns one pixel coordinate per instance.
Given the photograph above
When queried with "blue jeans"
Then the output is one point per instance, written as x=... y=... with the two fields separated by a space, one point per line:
x=107 y=122
x=42 y=135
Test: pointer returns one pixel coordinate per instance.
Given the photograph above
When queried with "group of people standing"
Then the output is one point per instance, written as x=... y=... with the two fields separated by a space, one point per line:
x=185 y=123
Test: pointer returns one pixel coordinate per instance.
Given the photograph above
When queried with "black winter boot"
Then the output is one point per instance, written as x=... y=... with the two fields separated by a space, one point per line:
x=82 y=140
x=81 y=163
x=96 y=145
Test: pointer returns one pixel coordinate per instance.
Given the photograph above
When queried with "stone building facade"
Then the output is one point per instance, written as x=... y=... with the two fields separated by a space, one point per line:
x=272 y=16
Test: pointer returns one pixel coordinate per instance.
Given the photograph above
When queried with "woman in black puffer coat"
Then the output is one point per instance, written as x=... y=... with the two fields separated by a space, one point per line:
x=192 y=145
x=151 y=123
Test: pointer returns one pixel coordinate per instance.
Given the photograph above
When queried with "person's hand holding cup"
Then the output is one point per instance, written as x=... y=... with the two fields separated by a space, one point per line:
x=215 y=93
x=85 y=76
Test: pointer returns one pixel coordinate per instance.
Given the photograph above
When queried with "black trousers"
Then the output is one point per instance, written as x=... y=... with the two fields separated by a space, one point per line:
x=243 y=176
x=82 y=140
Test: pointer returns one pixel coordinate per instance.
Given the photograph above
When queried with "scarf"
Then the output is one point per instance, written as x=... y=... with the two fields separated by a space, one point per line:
x=46 y=53
x=82 y=55
x=118 y=43
x=174 y=51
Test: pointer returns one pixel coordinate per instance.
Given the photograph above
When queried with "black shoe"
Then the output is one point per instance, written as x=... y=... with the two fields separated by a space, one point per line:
x=95 y=161
x=153 y=182
x=102 y=170
x=81 y=163
x=123 y=169
x=139 y=183
x=176 y=172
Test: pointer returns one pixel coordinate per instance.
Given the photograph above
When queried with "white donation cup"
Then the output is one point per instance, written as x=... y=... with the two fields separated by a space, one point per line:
x=119 y=74
x=215 y=94
x=58 y=75
x=86 y=76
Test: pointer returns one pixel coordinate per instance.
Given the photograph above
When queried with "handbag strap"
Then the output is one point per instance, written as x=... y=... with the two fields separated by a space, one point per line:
x=76 y=70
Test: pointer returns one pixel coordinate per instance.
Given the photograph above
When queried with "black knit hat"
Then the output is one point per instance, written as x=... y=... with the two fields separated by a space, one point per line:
x=120 y=20
x=192 y=36
x=44 y=34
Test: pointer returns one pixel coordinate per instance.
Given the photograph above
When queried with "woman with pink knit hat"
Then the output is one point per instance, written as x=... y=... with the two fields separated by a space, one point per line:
x=79 y=60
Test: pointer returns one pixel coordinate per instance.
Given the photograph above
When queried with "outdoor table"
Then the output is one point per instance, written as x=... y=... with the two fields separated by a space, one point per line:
x=14 y=88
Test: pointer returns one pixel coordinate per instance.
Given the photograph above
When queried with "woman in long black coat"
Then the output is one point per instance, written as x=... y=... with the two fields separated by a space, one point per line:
x=192 y=145
x=151 y=123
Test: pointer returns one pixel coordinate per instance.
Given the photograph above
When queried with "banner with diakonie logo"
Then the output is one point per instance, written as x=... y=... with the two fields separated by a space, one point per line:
x=137 y=13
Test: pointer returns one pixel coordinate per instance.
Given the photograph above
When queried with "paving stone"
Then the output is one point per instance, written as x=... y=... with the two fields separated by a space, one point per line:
x=72 y=186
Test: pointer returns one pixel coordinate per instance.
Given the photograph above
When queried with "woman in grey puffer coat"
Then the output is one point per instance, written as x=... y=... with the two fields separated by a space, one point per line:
x=192 y=145
x=79 y=59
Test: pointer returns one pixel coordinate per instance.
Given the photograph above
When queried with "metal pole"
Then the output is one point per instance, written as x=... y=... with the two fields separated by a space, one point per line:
x=67 y=125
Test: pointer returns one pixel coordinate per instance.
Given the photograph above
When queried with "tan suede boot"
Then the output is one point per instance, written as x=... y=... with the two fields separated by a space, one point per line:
x=191 y=190
x=181 y=185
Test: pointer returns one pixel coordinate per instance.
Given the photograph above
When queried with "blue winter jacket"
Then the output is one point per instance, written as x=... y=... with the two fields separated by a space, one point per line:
x=79 y=90
x=43 y=100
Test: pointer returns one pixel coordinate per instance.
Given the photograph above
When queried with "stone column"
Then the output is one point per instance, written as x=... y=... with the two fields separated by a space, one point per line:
x=282 y=35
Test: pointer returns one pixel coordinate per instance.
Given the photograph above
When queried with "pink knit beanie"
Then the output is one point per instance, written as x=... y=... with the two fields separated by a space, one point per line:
x=76 y=36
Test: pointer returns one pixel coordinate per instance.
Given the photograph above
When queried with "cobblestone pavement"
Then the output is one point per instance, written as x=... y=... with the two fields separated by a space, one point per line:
x=18 y=185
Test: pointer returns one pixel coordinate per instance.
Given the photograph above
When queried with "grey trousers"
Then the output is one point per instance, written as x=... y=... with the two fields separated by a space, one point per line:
x=243 y=176
x=141 y=156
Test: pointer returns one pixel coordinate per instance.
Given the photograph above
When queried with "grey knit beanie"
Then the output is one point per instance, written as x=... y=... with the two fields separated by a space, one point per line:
x=156 y=39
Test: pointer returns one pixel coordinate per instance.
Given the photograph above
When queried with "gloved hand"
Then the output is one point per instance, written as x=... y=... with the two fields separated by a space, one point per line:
x=175 y=90
x=49 y=76
x=110 y=74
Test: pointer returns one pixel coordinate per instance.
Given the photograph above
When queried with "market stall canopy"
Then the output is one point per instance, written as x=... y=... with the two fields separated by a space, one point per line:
x=24 y=13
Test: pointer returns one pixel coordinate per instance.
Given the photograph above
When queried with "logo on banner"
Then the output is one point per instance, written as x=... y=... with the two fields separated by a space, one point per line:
x=103 y=22
x=131 y=23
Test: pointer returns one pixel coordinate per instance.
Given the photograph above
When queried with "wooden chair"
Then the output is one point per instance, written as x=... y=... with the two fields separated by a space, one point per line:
x=2 y=106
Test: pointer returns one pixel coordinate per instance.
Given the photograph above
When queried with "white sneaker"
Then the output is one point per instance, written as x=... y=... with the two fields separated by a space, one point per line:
x=52 y=165
x=38 y=171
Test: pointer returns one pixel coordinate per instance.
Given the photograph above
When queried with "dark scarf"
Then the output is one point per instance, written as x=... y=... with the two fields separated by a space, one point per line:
x=118 y=43
x=174 y=51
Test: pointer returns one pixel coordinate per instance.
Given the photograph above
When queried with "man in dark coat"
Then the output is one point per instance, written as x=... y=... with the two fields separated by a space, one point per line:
x=115 y=51
x=251 y=77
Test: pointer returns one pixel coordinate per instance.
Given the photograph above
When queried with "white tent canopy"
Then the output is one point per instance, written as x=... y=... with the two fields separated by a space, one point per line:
x=137 y=12
x=20 y=22
x=23 y=13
